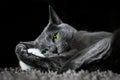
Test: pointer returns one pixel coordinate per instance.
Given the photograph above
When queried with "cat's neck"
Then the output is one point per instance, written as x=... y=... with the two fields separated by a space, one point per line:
x=77 y=40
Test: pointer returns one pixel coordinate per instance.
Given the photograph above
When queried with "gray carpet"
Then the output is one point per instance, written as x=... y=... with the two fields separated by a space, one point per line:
x=16 y=74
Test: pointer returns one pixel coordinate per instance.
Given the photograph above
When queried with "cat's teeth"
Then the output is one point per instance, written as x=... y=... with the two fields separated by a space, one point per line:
x=36 y=52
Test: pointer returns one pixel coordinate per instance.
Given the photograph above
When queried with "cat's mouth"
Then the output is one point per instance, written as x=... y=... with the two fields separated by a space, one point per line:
x=63 y=48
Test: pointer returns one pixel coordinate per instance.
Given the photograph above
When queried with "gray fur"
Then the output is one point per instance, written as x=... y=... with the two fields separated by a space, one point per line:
x=73 y=50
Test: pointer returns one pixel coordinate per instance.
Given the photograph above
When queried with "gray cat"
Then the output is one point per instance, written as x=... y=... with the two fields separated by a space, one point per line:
x=61 y=47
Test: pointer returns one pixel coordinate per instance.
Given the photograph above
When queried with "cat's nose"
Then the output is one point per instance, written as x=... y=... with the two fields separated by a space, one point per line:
x=53 y=49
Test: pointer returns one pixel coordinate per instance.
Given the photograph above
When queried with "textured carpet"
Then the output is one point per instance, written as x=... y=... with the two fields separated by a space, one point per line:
x=16 y=74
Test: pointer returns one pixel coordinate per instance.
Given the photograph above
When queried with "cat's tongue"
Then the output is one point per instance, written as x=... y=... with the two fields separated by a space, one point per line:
x=36 y=52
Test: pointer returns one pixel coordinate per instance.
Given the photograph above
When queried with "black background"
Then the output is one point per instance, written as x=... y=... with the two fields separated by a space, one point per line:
x=25 y=20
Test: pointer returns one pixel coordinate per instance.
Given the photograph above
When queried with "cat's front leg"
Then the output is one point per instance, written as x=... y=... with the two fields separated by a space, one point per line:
x=96 y=52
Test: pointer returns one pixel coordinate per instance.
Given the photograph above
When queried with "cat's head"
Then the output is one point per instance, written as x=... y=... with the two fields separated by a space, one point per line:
x=55 y=38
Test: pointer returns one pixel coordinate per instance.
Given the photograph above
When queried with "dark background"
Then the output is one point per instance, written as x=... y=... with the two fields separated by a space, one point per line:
x=24 y=21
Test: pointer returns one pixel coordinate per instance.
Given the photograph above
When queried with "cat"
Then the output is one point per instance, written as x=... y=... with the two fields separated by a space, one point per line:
x=61 y=47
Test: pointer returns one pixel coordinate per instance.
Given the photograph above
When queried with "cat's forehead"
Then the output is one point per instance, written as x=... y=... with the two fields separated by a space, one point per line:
x=45 y=35
x=51 y=28
x=42 y=40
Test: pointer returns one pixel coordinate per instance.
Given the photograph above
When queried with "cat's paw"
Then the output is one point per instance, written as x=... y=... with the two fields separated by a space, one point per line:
x=24 y=66
x=20 y=50
x=35 y=51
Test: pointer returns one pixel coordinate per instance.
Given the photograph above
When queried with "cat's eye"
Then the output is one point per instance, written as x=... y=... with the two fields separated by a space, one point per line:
x=56 y=37
x=44 y=51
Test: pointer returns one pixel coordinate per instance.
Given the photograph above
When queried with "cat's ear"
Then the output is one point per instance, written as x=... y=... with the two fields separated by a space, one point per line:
x=53 y=17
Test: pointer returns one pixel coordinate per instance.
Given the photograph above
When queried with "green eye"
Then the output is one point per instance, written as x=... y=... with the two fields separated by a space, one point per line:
x=56 y=37
x=44 y=51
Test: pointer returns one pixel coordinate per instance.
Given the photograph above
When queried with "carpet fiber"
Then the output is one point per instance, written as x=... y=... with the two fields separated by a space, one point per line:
x=16 y=74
